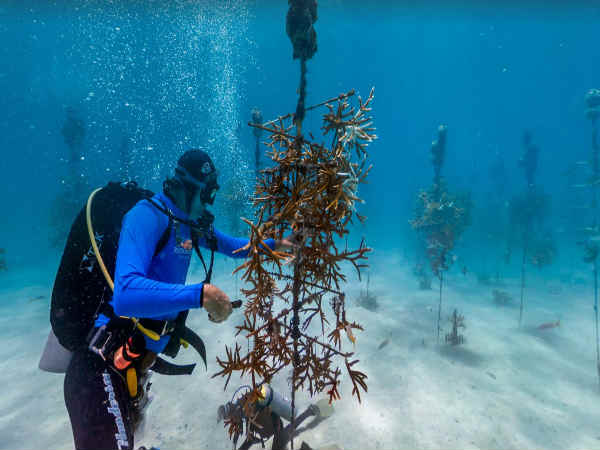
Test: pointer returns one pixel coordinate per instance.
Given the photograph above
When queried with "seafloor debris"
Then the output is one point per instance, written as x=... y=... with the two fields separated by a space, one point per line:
x=457 y=321
x=501 y=298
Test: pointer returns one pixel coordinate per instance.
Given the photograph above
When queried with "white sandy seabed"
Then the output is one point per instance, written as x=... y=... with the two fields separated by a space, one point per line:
x=504 y=388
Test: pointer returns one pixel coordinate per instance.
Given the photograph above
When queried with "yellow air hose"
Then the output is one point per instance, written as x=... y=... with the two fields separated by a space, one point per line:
x=132 y=384
x=88 y=217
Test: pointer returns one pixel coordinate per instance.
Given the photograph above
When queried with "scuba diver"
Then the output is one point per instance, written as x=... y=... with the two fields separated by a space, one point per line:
x=107 y=379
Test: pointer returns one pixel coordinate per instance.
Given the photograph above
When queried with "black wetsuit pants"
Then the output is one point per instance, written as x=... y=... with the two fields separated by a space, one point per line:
x=98 y=404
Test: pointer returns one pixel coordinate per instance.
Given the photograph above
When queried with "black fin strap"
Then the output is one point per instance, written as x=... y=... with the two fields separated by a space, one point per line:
x=195 y=341
x=174 y=344
x=166 y=368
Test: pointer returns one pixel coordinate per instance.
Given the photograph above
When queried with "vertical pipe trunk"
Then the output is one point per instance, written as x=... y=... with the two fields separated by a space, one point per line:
x=596 y=171
x=257 y=158
x=523 y=280
x=440 y=306
x=596 y=317
x=295 y=334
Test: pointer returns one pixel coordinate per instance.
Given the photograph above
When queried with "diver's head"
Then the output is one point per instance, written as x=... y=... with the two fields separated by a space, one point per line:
x=194 y=184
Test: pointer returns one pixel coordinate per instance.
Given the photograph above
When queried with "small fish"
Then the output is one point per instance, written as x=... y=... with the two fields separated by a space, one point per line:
x=348 y=329
x=383 y=344
x=39 y=297
x=464 y=271
x=548 y=325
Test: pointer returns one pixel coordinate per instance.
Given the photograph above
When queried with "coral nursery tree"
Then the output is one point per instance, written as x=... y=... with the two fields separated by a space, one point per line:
x=528 y=211
x=591 y=244
x=73 y=132
x=295 y=315
x=69 y=200
x=440 y=218
x=495 y=213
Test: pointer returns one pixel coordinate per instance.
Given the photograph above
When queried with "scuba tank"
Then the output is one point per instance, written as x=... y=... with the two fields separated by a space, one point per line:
x=279 y=404
x=268 y=397
x=55 y=358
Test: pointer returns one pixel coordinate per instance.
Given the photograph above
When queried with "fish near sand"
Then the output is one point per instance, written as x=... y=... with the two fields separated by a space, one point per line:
x=383 y=344
x=548 y=325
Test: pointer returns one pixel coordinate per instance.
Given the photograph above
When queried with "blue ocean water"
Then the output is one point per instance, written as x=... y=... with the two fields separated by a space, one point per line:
x=158 y=78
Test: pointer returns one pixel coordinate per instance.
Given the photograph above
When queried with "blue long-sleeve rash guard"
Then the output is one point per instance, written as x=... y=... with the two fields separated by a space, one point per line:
x=153 y=286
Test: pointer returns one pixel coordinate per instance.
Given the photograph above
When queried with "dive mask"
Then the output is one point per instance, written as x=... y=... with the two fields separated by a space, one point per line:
x=207 y=188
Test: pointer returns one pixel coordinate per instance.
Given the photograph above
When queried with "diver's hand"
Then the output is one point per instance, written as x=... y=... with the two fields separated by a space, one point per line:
x=290 y=242
x=216 y=302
